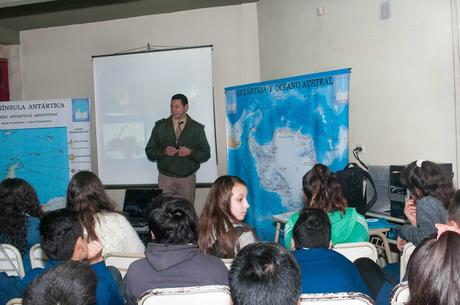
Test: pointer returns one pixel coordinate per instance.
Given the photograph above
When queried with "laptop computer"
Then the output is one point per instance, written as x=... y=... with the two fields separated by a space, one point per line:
x=135 y=205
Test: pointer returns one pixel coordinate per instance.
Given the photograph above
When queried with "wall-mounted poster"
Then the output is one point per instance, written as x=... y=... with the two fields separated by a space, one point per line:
x=277 y=130
x=45 y=142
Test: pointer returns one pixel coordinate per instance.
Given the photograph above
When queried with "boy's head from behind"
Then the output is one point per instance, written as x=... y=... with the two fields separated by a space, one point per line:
x=312 y=229
x=61 y=236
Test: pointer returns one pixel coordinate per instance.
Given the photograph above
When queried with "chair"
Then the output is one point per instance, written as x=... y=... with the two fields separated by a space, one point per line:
x=37 y=257
x=122 y=260
x=15 y=301
x=406 y=253
x=353 y=251
x=11 y=260
x=400 y=294
x=198 y=295
x=228 y=262
x=342 y=298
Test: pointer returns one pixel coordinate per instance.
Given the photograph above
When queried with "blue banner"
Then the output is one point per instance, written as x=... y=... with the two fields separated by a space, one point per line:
x=277 y=130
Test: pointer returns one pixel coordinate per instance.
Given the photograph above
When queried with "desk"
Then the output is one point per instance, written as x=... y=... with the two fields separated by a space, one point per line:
x=387 y=217
x=282 y=219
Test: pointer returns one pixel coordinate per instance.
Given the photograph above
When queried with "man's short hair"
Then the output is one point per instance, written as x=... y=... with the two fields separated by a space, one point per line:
x=172 y=219
x=180 y=97
x=264 y=274
x=69 y=283
x=59 y=232
x=312 y=229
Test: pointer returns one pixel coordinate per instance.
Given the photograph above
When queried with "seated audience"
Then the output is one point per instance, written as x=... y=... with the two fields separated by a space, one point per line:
x=322 y=190
x=431 y=192
x=20 y=216
x=173 y=259
x=62 y=240
x=69 y=283
x=379 y=283
x=222 y=231
x=433 y=271
x=264 y=274
x=323 y=270
x=87 y=197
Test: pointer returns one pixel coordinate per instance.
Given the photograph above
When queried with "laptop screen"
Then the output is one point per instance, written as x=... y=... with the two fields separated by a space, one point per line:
x=136 y=202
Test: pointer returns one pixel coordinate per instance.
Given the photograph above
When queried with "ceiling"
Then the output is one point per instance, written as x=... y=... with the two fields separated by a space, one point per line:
x=19 y=15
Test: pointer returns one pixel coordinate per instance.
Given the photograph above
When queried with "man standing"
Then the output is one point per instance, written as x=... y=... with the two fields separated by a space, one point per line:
x=178 y=144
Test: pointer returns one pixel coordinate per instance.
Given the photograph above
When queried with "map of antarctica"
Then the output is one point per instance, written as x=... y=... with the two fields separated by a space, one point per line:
x=39 y=156
x=277 y=131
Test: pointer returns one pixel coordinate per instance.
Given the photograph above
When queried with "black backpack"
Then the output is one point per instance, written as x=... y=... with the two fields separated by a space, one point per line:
x=352 y=179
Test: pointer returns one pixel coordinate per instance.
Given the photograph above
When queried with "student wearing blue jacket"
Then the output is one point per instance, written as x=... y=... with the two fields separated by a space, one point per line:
x=62 y=240
x=322 y=269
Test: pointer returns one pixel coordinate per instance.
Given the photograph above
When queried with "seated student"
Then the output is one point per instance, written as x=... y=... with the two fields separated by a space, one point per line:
x=69 y=283
x=62 y=240
x=431 y=192
x=264 y=274
x=86 y=196
x=323 y=270
x=322 y=190
x=173 y=259
x=20 y=217
x=433 y=271
x=222 y=231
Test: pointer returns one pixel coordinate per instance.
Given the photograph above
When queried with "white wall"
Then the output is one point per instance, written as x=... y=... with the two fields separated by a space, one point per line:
x=402 y=103
x=56 y=62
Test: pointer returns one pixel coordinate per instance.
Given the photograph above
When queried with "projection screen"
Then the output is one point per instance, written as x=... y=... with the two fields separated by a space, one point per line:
x=132 y=91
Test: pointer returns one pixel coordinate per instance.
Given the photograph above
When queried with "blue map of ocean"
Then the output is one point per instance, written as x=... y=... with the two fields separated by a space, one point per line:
x=277 y=130
x=39 y=156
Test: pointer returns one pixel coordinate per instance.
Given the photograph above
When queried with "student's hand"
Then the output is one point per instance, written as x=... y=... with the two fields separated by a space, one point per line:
x=400 y=243
x=170 y=151
x=410 y=211
x=94 y=252
x=184 y=151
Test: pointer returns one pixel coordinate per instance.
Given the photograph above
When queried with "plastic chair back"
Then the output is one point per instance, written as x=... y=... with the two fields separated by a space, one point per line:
x=198 y=295
x=353 y=251
x=343 y=298
x=11 y=260
x=406 y=254
x=37 y=257
x=121 y=260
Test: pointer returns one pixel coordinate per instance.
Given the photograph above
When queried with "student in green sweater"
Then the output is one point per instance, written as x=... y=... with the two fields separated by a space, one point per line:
x=322 y=190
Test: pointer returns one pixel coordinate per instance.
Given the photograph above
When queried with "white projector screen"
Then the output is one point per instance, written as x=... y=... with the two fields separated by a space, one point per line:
x=133 y=91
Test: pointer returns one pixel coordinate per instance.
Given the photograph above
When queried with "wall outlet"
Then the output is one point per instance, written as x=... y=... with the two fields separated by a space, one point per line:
x=361 y=148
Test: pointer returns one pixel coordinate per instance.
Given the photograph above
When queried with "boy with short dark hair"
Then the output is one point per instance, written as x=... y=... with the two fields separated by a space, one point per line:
x=264 y=274
x=69 y=283
x=61 y=238
x=173 y=259
x=323 y=269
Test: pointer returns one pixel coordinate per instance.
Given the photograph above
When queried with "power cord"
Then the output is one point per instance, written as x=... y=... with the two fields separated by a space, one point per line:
x=356 y=151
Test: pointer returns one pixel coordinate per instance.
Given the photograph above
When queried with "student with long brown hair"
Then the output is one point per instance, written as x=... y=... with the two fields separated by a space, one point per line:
x=222 y=231
x=322 y=190
x=20 y=216
x=86 y=196
x=433 y=271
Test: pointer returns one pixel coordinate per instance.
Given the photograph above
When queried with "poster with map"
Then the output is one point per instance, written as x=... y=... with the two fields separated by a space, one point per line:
x=277 y=130
x=45 y=142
